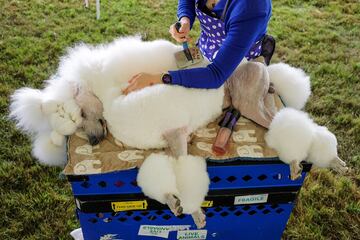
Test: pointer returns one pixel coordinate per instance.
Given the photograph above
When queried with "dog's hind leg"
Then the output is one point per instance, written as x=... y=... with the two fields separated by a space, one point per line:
x=295 y=170
x=174 y=204
x=249 y=88
x=199 y=218
x=192 y=182
x=156 y=177
x=177 y=141
x=339 y=165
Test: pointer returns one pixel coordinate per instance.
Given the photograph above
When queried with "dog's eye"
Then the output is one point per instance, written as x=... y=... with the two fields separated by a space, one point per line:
x=83 y=115
x=101 y=121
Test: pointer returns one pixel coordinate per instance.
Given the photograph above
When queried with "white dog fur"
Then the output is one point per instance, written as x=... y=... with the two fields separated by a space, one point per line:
x=192 y=182
x=291 y=133
x=297 y=138
x=292 y=84
x=185 y=177
x=158 y=170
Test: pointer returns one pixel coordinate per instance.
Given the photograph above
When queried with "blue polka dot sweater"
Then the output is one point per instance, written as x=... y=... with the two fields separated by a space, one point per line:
x=245 y=22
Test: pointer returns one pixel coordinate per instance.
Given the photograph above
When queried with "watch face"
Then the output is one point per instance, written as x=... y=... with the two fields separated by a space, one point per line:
x=166 y=78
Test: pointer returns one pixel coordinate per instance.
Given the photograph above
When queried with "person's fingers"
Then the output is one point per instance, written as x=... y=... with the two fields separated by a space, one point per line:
x=184 y=28
x=178 y=35
x=134 y=78
x=129 y=89
x=181 y=37
x=183 y=31
x=133 y=88
x=181 y=40
x=124 y=90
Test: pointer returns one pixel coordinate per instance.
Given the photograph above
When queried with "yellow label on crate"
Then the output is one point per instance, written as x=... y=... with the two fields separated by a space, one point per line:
x=130 y=205
x=207 y=204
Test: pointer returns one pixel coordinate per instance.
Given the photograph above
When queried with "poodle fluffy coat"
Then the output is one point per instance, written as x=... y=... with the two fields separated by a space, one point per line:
x=88 y=87
x=85 y=91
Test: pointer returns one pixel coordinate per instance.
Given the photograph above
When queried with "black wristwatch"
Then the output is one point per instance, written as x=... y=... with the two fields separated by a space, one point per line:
x=166 y=78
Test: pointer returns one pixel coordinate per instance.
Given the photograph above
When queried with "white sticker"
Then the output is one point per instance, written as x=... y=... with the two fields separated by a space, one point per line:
x=250 y=199
x=192 y=234
x=160 y=231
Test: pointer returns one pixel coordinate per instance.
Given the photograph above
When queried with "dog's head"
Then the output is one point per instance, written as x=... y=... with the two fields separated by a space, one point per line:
x=93 y=122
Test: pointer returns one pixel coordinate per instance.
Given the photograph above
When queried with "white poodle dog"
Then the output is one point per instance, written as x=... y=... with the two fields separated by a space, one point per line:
x=86 y=91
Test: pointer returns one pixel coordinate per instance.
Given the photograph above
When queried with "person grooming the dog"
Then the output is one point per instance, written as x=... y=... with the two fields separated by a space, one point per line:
x=230 y=31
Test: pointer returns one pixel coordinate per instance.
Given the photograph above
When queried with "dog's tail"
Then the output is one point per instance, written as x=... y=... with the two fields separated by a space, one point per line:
x=26 y=110
x=292 y=84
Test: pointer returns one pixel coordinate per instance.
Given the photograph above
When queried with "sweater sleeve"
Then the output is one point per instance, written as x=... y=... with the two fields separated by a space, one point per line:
x=186 y=8
x=240 y=37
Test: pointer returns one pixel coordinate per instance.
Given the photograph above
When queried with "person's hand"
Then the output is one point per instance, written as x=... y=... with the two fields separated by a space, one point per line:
x=140 y=81
x=183 y=34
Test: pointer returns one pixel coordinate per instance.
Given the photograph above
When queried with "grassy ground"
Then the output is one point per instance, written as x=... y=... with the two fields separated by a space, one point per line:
x=321 y=36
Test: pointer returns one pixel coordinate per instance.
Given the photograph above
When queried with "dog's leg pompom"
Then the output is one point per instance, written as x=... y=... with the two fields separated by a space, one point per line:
x=291 y=134
x=26 y=110
x=292 y=84
x=156 y=177
x=47 y=152
x=323 y=151
x=192 y=182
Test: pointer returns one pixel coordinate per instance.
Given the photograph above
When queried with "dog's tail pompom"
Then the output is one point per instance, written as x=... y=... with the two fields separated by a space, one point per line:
x=290 y=134
x=26 y=110
x=47 y=152
x=292 y=84
x=323 y=151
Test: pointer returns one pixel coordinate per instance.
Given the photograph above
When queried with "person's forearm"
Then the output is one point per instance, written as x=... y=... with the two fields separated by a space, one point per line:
x=186 y=8
x=237 y=43
x=197 y=78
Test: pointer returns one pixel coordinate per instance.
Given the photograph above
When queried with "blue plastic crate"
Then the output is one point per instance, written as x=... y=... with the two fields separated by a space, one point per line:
x=226 y=223
x=234 y=175
x=225 y=220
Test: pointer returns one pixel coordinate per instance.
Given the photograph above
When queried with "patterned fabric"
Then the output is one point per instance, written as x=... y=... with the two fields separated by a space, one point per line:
x=213 y=34
x=247 y=142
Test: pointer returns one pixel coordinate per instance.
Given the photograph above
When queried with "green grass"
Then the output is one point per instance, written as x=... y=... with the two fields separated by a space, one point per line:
x=322 y=37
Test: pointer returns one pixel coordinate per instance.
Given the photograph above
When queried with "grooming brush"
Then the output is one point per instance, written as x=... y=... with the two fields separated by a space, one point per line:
x=188 y=56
